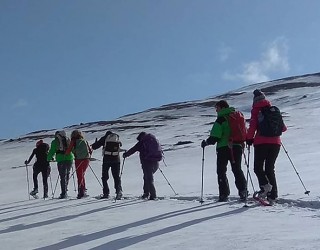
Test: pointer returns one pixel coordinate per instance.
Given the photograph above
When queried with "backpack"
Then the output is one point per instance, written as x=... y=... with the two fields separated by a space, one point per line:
x=81 y=149
x=111 y=145
x=237 y=124
x=151 y=148
x=63 y=141
x=270 y=122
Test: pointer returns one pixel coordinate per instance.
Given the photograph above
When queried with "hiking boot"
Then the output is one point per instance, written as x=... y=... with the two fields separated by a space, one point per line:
x=144 y=196
x=34 y=192
x=62 y=196
x=119 y=196
x=103 y=196
x=265 y=189
x=45 y=196
x=153 y=198
x=243 y=195
x=80 y=195
x=223 y=198
x=271 y=201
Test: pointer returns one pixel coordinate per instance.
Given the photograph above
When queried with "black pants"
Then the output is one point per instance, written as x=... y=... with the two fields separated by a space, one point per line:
x=224 y=155
x=45 y=171
x=115 y=170
x=149 y=168
x=64 y=173
x=265 y=156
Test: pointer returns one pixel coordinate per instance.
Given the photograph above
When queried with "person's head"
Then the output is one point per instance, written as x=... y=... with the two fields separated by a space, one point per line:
x=258 y=95
x=221 y=105
x=76 y=134
x=39 y=143
x=108 y=133
x=61 y=133
x=141 y=135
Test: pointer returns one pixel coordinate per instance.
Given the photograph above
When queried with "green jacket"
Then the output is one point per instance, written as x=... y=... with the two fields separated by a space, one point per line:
x=221 y=131
x=60 y=157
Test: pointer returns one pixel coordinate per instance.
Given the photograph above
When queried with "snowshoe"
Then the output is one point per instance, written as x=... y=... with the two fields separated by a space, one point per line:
x=262 y=201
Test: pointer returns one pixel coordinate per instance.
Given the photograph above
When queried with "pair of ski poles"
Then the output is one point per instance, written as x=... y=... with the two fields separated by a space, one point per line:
x=248 y=175
x=72 y=176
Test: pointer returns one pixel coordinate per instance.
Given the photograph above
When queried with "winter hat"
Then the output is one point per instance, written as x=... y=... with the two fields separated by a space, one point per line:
x=39 y=143
x=258 y=96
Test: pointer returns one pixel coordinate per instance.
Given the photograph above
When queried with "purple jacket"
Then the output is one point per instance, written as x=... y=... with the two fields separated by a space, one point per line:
x=138 y=147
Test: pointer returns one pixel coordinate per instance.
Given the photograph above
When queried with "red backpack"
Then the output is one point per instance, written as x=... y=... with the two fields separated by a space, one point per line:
x=237 y=124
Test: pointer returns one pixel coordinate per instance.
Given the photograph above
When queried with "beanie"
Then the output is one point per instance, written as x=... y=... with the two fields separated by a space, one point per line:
x=258 y=96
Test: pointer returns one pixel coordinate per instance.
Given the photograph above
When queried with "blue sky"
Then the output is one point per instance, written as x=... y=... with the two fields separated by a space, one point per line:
x=67 y=62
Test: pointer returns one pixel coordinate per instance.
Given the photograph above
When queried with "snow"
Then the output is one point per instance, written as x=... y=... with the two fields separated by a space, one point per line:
x=174 y=221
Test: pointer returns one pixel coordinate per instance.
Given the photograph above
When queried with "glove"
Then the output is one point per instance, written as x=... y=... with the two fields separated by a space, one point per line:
x=204 y=144
x=26 y=162
x=249 y=142
x=125 y=155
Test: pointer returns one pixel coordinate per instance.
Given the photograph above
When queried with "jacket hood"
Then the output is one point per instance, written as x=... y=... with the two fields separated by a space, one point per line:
x=226 y=111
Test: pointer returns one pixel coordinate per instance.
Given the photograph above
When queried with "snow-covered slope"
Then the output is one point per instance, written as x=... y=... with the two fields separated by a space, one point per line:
x=177 y=221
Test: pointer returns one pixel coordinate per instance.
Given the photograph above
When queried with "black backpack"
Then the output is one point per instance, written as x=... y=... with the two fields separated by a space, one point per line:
x=270 y=122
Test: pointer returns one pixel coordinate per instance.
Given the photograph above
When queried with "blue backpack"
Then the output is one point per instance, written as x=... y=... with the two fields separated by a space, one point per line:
x=151 y=148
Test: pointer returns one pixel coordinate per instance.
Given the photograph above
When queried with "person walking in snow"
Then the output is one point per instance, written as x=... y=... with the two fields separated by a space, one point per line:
x=266 y=148
x=150 y=154
x=58 y=148
x=111 y=147
x=40 y=166
x=220 y=134
x=82 y=152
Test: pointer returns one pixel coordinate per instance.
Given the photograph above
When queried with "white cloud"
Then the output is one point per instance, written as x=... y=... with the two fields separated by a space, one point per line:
x=273 y=60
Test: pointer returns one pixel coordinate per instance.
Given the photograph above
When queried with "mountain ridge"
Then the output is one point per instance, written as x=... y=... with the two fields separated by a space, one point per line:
x=156 y=117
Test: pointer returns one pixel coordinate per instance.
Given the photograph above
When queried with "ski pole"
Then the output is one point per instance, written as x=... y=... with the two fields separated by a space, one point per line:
x=306 y=191
x=167 y=181
x=122 y=166
x=50 y=180
x=28 y=181
x=55 y=187
x=248 y=173
x=202 y=170
x=247 y=164
x=74 y=182
x=247 y=179
x=95 y=175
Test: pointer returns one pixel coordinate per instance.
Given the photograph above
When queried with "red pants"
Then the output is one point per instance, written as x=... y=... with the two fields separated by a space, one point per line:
x=81 y=167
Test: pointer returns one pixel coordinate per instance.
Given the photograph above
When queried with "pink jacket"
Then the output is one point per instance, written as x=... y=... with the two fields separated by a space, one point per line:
x=253 y=127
